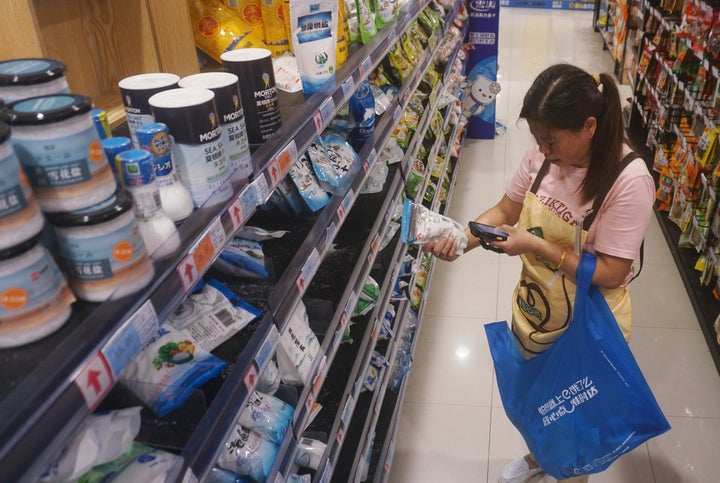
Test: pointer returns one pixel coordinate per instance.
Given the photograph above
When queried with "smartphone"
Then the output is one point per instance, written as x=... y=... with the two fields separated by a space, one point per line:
x=486 y=232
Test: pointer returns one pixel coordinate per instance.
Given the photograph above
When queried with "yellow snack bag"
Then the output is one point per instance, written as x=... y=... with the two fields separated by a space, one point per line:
x=250 y=12
x=286 y=20
x=217 y=29
x=343 y=38
x=273 y=18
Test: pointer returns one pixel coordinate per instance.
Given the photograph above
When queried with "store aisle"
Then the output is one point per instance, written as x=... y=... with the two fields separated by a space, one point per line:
x=453 y=427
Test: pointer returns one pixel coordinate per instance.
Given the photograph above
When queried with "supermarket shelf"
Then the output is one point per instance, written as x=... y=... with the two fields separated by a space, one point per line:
x=704 y=303
x=291 y=289
x=49 y=398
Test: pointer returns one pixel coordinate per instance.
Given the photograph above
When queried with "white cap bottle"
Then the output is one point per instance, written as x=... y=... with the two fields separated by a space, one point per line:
x=137 y=176
x=174 y=196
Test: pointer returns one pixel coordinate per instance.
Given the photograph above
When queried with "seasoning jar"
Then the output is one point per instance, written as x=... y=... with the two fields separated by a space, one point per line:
x=35 y=299
x=102 y=251
x=23 y=78
x=55 y=139
x=20 y=216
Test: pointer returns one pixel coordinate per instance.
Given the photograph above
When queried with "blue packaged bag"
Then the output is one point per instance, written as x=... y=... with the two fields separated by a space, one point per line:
x=583 y=402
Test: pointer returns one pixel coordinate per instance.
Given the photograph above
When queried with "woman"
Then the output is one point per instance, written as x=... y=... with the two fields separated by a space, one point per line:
x=579 y=188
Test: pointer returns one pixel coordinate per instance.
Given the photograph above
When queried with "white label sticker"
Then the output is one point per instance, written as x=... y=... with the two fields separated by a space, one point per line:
x=131 y=338
x=308 y=271
x=188 y=272
x=262 y=189
x=94 y=380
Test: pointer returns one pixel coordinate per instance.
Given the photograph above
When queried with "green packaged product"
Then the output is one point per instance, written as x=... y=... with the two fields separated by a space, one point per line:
x=399 y=65
x=366 y=21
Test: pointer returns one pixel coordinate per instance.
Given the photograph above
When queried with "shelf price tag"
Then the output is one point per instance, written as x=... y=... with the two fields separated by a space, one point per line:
x=262 y=189
x=243 y=206
x=200 y=255
x=330 y=233
x=348 y=411
x=281 y=164
x=250 y=378
x=348 y=87
x=365 y=68
x=346 y=204
x=127 y=342
x=323 y=115
x=267 y=349
x=211 y=243
x=322 y=373
x=308 y=270
x=94 y=380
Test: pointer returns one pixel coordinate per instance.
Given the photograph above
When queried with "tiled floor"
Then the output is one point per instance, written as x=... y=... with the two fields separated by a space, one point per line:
x=453 y=427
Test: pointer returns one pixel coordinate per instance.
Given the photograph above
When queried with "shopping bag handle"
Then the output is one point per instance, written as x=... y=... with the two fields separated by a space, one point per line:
x=584 y=273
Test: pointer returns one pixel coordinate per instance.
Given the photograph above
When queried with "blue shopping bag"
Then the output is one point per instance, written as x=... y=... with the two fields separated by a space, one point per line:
x=583 y=402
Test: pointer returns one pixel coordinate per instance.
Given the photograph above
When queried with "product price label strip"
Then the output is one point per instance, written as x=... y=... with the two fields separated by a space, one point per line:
x=201 y=254
x=97 y=377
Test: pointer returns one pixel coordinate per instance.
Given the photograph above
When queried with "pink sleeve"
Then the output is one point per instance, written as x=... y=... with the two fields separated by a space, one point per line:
x=620 y=226
x=522 y=180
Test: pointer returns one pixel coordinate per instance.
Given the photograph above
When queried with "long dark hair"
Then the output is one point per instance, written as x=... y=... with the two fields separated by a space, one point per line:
x=563 y=97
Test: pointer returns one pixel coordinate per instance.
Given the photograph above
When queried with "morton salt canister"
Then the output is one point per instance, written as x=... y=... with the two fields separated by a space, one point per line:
x=101 y=249
x=232 y=120
x=20 y=216
x=136 y=90
x=35 y=299
x=56 y=142
x=191 y=117
x=258 y=92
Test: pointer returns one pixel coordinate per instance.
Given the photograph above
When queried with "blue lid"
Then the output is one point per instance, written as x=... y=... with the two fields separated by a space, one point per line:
x=46 y=109
x=30 y=71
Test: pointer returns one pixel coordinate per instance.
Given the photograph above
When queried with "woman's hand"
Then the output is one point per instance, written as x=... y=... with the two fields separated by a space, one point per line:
x=443 y=248
x=518 y=241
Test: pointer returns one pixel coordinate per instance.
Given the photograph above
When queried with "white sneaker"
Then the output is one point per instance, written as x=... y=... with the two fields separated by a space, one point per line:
x=518 y=471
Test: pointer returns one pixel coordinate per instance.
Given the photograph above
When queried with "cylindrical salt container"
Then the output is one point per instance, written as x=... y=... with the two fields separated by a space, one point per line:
x=112 y=147
x=137 y=175
x=190 y=114
x=232 y=120
x=174 y=196
x=136 y=90
x=20 y=216
x=35 y=299
x=56 y=142
x=23 y=78
x=258 y=92
x=102 y=251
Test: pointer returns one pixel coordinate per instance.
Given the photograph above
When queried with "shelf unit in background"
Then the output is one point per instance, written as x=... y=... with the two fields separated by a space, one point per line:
x=620 y=26
x=101 y=41
x=664 y=94
x=41 y=398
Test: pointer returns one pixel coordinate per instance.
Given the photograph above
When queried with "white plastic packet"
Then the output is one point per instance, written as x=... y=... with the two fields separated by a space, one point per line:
x=420 y=225
x=267 y=416
x=298 y=348
x=151 y=467
x=247 y=453
x=102 y=438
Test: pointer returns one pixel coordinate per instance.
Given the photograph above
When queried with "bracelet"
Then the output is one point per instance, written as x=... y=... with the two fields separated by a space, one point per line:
x=562 y=260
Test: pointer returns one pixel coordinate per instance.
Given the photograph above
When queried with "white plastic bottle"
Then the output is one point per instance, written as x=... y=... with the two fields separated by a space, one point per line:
x=174 y=196
x=137 y=175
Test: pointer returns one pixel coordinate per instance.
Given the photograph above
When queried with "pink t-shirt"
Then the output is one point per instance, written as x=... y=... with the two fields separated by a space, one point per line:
x=620 y=225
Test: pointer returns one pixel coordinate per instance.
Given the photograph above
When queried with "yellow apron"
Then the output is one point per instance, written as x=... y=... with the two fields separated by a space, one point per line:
x=543 y=299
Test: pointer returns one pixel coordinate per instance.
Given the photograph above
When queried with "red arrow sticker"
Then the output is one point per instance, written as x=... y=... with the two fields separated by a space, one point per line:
x=188 y=272
x=94 y=381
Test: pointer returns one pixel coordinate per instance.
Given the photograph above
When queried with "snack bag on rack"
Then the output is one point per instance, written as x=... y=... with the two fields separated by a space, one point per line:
x=217 y=29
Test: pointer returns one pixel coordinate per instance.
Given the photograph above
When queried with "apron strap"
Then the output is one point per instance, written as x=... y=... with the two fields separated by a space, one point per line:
x=600 y=198
x=541 y=174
